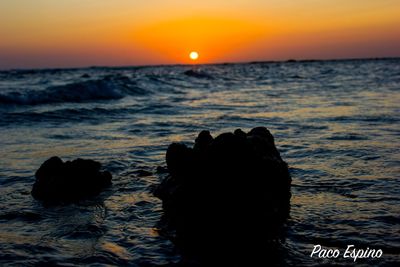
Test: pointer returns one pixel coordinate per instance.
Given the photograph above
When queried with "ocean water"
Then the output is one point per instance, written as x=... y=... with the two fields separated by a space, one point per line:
x=336 y=123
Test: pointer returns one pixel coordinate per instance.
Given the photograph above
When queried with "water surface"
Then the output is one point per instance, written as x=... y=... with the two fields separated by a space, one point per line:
x=336 y=123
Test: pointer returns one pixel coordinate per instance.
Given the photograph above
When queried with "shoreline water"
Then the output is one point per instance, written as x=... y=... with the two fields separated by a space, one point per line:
x=335 y=123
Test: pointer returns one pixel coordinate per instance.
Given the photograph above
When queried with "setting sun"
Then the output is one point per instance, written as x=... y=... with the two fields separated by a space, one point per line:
x=194 y=55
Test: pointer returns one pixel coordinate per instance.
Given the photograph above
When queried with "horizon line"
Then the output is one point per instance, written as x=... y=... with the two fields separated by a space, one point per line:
x=196 y=64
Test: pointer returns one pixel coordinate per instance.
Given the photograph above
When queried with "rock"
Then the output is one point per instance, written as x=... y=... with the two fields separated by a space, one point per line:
x=225 y=194
x=69 y=181
x=197 y=74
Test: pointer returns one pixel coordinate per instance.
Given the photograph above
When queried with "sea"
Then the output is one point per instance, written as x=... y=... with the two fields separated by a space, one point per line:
x=336 y=123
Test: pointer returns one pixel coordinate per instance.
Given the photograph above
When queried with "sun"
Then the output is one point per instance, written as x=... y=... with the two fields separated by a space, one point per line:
x=194 y=55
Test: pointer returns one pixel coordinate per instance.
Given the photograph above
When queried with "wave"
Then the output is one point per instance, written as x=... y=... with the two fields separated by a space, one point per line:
x=90 y=115
x=198 y=74
x=107 y=88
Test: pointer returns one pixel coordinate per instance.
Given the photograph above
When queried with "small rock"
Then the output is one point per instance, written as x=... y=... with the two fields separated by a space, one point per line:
x=69 y=181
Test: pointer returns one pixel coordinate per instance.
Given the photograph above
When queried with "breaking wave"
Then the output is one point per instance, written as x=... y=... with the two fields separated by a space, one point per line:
x=107 y=88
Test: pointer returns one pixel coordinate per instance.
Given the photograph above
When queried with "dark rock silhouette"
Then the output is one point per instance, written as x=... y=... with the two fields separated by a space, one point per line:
x=197 y=74
x=226 y=196
x=69 y=181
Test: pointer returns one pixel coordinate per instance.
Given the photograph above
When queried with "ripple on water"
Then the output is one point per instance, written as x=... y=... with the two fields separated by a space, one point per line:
x=335 y=123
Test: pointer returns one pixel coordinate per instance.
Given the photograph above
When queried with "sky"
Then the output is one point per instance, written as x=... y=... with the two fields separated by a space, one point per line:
x=80 y=33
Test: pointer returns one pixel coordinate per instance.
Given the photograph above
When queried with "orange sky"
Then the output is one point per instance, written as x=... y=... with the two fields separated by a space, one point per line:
x=73 y=33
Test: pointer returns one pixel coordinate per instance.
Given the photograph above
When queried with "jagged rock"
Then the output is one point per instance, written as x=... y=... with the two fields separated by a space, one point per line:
x=225 y=192
x=69 y=181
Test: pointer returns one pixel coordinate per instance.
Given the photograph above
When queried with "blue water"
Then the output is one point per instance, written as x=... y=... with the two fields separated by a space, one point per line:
x=336 y=123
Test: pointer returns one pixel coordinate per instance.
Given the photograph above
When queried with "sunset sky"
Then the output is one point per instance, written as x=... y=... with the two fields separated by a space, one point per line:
x=75 y=33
